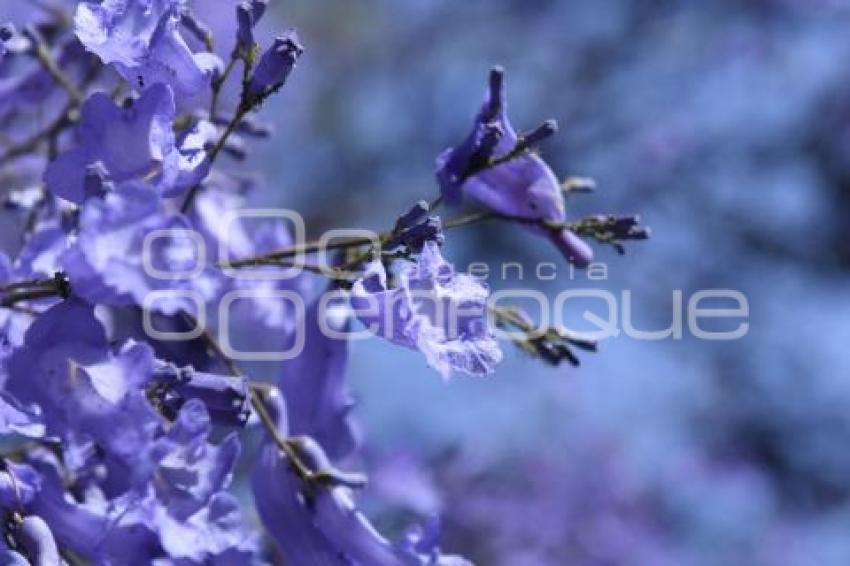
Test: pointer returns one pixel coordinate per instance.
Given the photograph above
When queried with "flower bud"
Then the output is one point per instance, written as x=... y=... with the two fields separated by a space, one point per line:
x=275 y=65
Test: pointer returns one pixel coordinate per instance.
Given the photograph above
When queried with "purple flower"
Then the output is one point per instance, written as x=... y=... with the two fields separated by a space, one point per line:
x=135 y=142
x=190 y=471
x=324 y=525
x=5 y=268
x=275 y=65
x=497 y=167
x=433 y=309
x=225 y=397
x=38 y=259
x=65 y=367
x=297 y=521
x=108 y=262
x=37 y=541
x=138 y=528
x=19 y=484
x=141 y=39
x=33 y=88
x=194 y=163
x=240 y=238
x=10 y=557
x=248 y=14
x=25 y=421
x=79 y=527
x=217 y=534
x=181 y=514
x=318 y=401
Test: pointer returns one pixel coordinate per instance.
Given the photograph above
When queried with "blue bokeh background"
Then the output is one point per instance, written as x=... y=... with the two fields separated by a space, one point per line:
x=726 y=125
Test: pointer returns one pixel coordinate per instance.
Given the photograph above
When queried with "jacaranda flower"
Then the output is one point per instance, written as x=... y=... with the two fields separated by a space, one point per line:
x=131 y=143
x=497 y=167
x=439 y=312
x=141 y=39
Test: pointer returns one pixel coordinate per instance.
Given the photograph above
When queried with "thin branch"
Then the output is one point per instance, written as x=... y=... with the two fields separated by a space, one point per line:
x=289 y=446
x=217 y=85
x=42 y=54
x=31 y=144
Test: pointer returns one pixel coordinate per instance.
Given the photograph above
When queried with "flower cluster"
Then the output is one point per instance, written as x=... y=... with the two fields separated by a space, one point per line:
x=124 y=442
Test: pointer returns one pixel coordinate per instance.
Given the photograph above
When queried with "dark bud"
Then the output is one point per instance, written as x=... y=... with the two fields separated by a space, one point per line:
x=496 y=95
x=544 y=131
x=274 y=67
x=555 y=347
x=491 y=135
x=487 y=137
x=225 y=397
x=414 y=228
x=244 y=26
x=253 y=127
x=258 y=8
x=612 y=230
x=412 y=217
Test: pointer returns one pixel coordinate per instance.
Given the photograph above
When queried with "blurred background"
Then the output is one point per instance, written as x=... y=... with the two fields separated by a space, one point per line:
x=726 y=126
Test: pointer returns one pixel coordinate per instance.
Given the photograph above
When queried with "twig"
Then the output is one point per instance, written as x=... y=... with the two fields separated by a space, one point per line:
x=217 y=85
x=288 y=445
x=42 y=54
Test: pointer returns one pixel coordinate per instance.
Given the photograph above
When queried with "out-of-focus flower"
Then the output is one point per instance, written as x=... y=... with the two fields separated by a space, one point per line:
x=14 y=419
x=38 y=259
x=141 y=39
x=243 y=236
x=248 y=14
x=135 y=142
x=435 y=310
x=499 y=168
x=321 y=524
x=194 y=162
x=110 y=264
x=65 y=368
x=33 y=89
x=138 y=525
x=190 y=470
x=37 y=541
x=318 y=401
x=19 y=484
